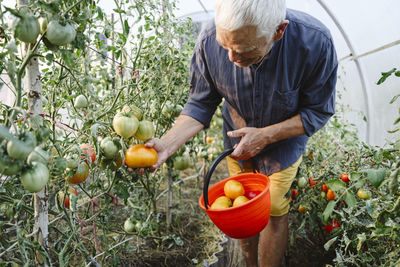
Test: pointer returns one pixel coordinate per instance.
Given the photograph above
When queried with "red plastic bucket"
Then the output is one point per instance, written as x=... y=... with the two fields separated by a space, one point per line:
x=247 y=219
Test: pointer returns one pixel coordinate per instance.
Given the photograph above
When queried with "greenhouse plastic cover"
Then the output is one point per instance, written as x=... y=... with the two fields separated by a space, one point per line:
x=358 y=26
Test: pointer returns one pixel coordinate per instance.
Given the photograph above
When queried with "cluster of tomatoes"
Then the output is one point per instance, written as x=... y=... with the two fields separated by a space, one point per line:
x=127 y=123
x=21 y=155
x=235 y=195
x=327 y=193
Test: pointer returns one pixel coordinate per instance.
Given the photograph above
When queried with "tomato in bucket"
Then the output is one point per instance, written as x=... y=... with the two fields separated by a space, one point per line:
x=244 y=220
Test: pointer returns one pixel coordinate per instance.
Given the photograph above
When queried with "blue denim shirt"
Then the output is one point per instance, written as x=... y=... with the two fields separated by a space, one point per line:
x=298 y=77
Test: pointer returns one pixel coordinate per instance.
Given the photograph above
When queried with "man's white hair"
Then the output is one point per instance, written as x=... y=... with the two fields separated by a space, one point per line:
x=266 y=15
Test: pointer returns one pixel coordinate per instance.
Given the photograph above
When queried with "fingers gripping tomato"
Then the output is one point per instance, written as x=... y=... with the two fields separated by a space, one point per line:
x=139 y=156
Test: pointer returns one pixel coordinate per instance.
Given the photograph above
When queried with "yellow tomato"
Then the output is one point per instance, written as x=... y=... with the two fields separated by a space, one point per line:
x=222 y=202
x=139 y=156
x=239 y=201
x=233 y=189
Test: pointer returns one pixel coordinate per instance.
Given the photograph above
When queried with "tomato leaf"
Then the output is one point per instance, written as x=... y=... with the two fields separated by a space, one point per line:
x=329 y=243
x=328 y=211
x=350 y=199
x=336 y=184
x=376 y=177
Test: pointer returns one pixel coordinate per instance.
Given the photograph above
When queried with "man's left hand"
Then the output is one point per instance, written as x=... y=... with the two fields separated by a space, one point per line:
x=253 y=141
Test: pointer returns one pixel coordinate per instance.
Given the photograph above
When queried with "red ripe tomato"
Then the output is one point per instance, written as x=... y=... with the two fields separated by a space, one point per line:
x=311 y=181
x=331 y=226
x=252 y=194
x=295 y=193
x=330 y=195
x=71 y=190
x=324 y=188
x=345 y=177
x=80 y=175
x=88 y=153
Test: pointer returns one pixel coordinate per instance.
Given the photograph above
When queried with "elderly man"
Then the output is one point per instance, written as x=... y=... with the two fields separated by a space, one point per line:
x=276 y=70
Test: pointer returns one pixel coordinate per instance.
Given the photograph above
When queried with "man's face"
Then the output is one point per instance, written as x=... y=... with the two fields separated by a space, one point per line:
x=243 y=45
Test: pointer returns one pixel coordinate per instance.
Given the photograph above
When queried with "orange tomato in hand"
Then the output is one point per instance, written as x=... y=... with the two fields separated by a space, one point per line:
x=233 y=189
x=139 y=156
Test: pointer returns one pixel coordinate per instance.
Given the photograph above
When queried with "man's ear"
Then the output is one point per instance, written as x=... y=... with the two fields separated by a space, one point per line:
x=280 y=30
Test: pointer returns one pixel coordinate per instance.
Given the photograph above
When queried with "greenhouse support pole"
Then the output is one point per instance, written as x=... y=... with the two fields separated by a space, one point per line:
x=360 y=69
x=34 y=92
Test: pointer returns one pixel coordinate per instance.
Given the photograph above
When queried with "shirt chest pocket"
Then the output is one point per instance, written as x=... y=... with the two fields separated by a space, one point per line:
x=284 y=105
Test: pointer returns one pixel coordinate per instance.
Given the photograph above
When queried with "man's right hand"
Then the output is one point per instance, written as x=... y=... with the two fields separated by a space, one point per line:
x=161 y=149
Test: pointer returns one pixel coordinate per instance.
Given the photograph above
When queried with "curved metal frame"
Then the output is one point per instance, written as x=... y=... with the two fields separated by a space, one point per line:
x=360 y=68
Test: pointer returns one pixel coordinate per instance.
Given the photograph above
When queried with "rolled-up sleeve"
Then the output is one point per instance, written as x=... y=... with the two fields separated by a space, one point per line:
x=317 y=96
x=203 y=98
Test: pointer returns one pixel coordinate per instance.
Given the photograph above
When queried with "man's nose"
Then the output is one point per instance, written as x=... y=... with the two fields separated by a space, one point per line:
x=233 y=55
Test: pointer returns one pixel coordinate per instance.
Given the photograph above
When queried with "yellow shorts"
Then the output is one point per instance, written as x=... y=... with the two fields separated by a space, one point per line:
x=280 y=184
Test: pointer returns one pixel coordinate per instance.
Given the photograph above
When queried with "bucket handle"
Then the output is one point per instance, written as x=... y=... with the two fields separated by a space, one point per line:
x=211 y=170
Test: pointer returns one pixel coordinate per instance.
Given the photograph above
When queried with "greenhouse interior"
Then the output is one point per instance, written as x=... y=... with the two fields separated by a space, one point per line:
x=200 y=133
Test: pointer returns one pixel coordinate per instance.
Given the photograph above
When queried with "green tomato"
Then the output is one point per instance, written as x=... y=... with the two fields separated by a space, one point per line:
x=181 y=163
x=129 y=226
x=38 y=155
x=35 y=178
x=72 y=161
x=145 y=130
x=302 y=182
x=125 y=124
x=134 y=110
x=108 y=147
x=58 y=34
x=112 y=164
x=27 y=29
x=21 y=149
x=363 y=193
x=81 y=102
x=9 y=166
